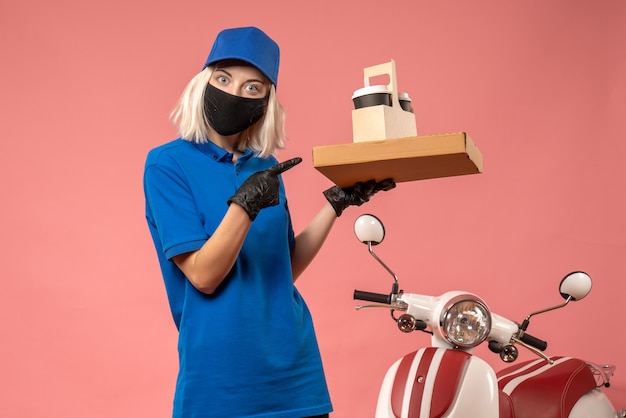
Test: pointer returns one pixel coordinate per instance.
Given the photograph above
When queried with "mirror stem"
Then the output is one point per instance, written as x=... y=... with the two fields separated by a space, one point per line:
x=395 y=278
x=527 y=320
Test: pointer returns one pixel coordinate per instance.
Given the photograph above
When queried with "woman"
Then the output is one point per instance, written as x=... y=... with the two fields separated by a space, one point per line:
x=217 y=212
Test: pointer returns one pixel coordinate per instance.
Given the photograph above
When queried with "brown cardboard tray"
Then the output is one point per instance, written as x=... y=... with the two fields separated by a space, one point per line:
x=403 y=159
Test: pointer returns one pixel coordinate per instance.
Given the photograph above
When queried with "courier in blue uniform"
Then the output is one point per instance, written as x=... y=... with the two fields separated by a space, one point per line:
x=217 y=211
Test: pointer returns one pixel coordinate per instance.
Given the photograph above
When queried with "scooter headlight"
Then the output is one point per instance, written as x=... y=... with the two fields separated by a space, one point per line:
x=466 y=321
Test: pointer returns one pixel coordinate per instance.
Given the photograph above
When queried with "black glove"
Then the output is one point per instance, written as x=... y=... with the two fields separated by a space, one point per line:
x=260 y=190
x=355 y=195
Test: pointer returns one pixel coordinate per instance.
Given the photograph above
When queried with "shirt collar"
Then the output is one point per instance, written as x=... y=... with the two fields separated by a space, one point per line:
x=220 y=154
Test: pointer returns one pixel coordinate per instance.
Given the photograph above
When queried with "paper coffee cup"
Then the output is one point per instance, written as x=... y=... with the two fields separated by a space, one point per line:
x=405 y=101
x=371 y=96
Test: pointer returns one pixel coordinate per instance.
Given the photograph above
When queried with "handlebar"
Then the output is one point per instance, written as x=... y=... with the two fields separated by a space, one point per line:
x=386 y=299
x=372 y=297
x=534 y=342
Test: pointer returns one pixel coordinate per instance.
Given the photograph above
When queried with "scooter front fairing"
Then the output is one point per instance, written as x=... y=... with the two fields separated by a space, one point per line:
x=438 y=382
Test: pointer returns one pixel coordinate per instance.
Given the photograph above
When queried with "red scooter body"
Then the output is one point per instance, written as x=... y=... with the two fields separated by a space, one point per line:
x=437 y=383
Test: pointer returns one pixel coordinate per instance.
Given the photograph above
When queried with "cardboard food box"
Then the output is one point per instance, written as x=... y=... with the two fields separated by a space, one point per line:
x=403 y=159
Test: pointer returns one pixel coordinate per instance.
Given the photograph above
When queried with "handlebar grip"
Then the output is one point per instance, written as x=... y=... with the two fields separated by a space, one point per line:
x=372 y=297
x=535 y=342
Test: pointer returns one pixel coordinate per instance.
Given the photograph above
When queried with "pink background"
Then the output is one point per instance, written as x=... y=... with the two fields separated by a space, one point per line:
x=86 y=88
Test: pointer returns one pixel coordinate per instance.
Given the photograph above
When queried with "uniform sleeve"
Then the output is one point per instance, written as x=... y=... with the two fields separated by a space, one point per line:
x=171 y=210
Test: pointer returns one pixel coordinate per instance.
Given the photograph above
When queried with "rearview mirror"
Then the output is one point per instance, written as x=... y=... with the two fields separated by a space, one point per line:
x=369 y=229
x=576 y=284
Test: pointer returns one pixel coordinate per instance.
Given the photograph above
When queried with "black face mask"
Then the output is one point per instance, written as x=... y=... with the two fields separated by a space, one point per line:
x=229 y=114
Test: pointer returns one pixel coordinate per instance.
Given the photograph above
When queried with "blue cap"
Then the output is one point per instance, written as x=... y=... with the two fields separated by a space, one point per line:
x=248 y=44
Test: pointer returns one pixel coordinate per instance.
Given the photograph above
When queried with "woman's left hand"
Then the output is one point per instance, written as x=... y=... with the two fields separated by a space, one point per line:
x=356 y=195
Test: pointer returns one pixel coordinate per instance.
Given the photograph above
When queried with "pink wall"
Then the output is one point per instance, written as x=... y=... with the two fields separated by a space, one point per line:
x=85 y=92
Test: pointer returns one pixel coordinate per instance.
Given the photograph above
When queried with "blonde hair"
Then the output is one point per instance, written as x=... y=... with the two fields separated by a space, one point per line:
x=265 y=137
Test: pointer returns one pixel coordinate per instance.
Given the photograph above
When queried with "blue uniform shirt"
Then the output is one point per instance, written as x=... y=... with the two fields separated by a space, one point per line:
x=249 y=349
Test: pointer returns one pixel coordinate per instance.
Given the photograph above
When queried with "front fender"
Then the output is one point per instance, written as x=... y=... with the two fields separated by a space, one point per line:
x=436 y=382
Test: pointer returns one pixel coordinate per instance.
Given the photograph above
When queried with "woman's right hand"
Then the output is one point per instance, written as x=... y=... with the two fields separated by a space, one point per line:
x=260 y=190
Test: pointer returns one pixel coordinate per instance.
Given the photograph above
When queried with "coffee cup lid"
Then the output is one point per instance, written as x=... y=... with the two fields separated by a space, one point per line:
x=379 y=88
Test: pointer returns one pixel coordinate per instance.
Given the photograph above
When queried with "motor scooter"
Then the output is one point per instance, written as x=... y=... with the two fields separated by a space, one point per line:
x=447 y=380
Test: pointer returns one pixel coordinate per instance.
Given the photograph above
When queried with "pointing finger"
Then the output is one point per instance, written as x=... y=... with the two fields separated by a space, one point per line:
x=285 y=165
